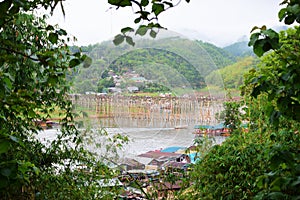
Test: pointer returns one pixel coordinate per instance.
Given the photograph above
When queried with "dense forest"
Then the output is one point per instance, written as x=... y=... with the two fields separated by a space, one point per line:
x=239 y=49
x=171 y=61
x=232 y=75
x=159 y=66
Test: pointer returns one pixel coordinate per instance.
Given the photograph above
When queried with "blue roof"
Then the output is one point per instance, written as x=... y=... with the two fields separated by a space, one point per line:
x=215 y=127
x=172 y=149
x=203 y=127
x=192 y=157
x=218 y=126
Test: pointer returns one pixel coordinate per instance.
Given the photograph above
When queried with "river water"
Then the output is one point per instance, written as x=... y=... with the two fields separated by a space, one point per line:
x=142 y=137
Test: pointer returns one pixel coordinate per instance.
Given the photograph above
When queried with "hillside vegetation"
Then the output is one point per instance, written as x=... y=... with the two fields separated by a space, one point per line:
x=161 y=66
x=232 y=75
x=220 y=57
x=188 y=62
x=239 y=49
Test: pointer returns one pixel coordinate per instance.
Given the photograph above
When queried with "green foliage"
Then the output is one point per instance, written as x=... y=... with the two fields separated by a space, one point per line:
x=220 y=57
x=154 y=87
x=291 y=13
x=264 y=40
x=233 y=116
x=232 y=75
x=34 y=62
x=105 y=83
x=162 y=66
x=239 y=49
x=147 y=16
x=282 y=182
x=229 y=170
x=278 y=77
x=203 y=56
x=262 y=163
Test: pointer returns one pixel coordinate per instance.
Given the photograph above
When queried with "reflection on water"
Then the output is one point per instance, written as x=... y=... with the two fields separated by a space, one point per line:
x=142 y=138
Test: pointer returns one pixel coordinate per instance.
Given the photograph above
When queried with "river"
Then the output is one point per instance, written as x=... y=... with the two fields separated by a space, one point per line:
x=141 y=139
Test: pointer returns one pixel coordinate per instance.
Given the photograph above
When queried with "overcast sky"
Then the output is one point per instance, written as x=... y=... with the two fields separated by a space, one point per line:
x=220 y=22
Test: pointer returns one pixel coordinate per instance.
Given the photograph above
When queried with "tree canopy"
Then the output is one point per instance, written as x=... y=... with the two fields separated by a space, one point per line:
x=279 y=78
x=34 y=62
x=269 y=150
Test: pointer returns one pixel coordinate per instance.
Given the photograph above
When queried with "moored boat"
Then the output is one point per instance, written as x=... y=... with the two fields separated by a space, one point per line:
x=181 y=127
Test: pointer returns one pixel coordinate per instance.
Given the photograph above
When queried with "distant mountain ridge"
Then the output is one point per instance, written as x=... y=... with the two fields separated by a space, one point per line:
x=221 y=57
x=239 y=49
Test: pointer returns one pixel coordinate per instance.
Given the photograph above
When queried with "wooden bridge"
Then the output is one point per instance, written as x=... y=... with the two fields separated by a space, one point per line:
x=176 y=110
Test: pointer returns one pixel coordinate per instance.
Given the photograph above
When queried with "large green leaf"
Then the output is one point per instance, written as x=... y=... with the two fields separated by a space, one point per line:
x=158 y=8
x=53 y=38
x=4 y=6
x=153 y=33
x=144 y=2
x=74 y=62
x=259 y=47
x=129 y=40
x=118 y=39
x=121 y=3
x=87 y=61
x=127 y=29
x=142 y=30
x=4 y=146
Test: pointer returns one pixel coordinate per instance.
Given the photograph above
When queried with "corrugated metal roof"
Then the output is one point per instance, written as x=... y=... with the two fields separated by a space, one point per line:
x=172 y=149
x=158 y=154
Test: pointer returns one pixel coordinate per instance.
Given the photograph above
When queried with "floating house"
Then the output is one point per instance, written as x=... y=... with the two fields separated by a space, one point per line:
x=216 y=130
x=208 y=130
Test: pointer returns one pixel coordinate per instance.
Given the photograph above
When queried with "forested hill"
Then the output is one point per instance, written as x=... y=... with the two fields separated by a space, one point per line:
x=160 y=66
x=198 y=56
x=239 y=49
x=220 y=57
x=231 y=76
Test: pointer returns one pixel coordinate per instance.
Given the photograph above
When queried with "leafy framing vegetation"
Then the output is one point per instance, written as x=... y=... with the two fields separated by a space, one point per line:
x=263 y=163
x=278 y=76
x=147 y=12
x=34 y=62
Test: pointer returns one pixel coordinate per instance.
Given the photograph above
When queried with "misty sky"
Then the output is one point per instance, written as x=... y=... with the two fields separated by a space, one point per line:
x=220 y=22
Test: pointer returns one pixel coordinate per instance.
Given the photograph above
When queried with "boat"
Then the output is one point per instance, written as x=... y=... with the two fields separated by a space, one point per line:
x=181 y=127
x=208 y=130
x=46 y=124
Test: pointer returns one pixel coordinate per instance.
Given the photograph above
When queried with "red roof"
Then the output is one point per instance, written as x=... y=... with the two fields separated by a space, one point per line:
x=158 y=154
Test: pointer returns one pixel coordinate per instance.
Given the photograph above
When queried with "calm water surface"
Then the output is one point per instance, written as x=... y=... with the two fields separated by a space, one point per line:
x=142 y=137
